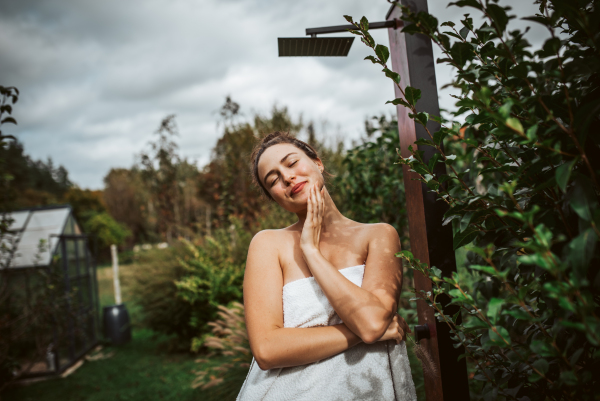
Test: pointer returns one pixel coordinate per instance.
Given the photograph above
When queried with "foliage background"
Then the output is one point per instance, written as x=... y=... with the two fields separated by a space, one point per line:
x=522 y=191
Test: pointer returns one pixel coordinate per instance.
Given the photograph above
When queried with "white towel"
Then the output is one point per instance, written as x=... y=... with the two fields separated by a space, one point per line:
x=378 y=371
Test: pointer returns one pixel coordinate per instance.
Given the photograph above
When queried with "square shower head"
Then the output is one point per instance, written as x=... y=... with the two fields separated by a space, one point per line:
x=315 y=47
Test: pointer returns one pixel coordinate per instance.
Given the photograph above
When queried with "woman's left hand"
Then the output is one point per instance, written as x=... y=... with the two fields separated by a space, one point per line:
x=315 y=208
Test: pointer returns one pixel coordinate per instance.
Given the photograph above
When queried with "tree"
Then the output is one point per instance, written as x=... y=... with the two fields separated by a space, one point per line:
x=128 y=201
x=523 y=195
x=107 y=230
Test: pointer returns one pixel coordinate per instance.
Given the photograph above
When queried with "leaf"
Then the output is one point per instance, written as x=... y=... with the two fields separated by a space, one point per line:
x=412 y=95
x=373 y=59
x=494 y=307
x=484 y=268
x=500 y=336
x=466 y=3
x=583 y=199
x=464 y=222
x=541 y=365
x=563 y=172
x=433 y=160
x=398 y=101
x=517 y=314
x=541 y=348
x=514 y=124
x=450 y=159
x=464 y=32
x=581 y=251
x=364 y=24
x=8 y=120
x=349 y=19
x=436 y=272
x=423 y=141
x=465 y=237
x=421 y=117
x=539 y=19
x=382 y=52
x=391 y=74
x=568 y=377
x=532 y=133
x=461 y=52
x=439 y=136
x=498 y=16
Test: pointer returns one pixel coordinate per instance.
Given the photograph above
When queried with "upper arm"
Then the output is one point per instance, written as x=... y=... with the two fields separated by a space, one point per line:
x=263 y=287
x=383 y=270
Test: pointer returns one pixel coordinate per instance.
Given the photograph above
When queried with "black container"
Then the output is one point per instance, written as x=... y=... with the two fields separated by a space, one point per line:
x=116 y=324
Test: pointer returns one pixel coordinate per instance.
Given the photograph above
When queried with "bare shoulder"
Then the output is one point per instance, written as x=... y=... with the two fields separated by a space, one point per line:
x=267 y=244
x=271 y=238
x=377 y=231
x=384 y=230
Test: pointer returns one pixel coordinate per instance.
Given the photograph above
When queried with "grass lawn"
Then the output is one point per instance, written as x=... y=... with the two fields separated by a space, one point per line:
x=136 y=371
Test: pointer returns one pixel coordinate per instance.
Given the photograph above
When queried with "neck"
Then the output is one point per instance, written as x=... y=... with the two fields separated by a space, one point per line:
x=331 y=217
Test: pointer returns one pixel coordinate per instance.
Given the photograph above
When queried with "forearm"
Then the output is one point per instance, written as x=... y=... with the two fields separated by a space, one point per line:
x=361 y=310
x=285 y=347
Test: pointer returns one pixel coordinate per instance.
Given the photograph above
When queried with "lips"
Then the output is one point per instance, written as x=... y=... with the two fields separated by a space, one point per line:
x=298 y=187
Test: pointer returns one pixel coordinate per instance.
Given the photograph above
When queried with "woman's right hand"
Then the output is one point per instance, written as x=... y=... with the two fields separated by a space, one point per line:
x=397 y=330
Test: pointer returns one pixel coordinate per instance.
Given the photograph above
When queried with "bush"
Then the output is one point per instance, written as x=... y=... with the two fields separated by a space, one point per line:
x=152 y=282
x=213 y=275
x=522 y=194
x=105 y=228
x=371 y=188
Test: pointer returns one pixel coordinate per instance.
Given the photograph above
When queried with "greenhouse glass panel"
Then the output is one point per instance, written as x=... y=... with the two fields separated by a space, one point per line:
x=52 y=291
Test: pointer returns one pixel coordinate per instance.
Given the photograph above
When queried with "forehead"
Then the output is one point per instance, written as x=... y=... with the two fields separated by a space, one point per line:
x=273 y=155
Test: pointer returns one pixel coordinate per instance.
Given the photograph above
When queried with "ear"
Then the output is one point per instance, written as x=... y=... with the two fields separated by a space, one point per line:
x=319 y=164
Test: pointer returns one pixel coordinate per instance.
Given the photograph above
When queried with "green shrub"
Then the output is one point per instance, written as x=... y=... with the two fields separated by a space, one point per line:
x=151 y=280
x=522 y=194
x=371 y=187
x=213 y=275
x=107 y=229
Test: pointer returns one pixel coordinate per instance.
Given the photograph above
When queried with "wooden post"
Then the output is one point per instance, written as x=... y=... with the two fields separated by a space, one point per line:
x=430 y=242
x=115 y=265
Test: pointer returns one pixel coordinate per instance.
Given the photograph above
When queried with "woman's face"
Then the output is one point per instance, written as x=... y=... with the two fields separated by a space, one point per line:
x=287 y=173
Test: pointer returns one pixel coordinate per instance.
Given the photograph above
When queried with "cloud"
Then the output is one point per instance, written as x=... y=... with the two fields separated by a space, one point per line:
x=96 y=78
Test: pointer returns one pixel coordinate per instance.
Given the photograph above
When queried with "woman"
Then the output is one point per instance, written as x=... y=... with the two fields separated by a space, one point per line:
x=321 y=295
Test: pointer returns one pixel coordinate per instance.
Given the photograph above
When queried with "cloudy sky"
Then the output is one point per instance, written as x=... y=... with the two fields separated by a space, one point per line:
x=96 y=77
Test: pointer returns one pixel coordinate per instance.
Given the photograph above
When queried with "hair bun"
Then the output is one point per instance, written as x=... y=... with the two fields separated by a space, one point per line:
x=274 y=135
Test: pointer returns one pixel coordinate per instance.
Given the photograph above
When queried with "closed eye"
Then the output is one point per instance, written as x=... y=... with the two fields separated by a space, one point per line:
x=276 y=178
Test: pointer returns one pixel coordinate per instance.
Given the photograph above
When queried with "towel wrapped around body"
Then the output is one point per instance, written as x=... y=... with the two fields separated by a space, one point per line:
x=378 y=371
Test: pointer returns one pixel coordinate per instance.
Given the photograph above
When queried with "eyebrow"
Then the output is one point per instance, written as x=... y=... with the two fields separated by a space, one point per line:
x=273 y=170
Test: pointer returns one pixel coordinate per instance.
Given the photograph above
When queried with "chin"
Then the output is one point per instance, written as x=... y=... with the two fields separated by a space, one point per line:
x=297 y=203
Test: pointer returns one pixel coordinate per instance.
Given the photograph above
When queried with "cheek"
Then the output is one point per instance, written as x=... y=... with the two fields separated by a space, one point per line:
x=306 y=168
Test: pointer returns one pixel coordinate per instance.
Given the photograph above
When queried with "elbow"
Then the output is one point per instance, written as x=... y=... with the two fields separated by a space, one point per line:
x=264 y=358
x=371 y=332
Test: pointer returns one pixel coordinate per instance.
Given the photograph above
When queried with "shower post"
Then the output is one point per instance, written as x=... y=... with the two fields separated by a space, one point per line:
x=430 y=241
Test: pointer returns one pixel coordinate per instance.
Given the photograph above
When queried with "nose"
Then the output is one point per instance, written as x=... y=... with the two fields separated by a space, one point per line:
x=289 y=177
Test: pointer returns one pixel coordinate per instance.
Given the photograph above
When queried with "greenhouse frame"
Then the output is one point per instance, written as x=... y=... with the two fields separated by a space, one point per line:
x=48 y=292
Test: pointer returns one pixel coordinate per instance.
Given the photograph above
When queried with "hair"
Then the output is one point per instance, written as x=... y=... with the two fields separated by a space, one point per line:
x=275 y=138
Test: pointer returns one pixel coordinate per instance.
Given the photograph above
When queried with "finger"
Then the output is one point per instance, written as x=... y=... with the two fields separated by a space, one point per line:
x=320 y=199
x=315 y=206
x=309 y=210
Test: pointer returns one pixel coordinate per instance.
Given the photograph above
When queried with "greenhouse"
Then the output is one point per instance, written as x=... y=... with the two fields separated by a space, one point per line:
x=49 y=305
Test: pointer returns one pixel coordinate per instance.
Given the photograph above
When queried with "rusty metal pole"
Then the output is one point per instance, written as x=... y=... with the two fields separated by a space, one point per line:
x=430 y=242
